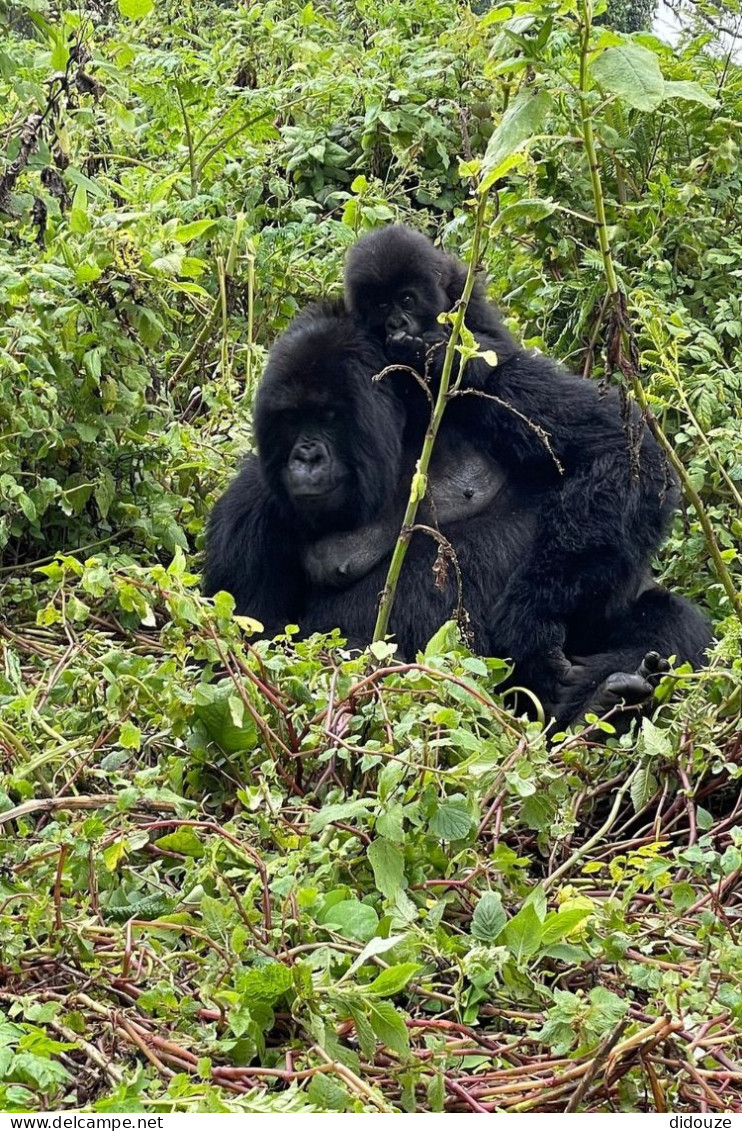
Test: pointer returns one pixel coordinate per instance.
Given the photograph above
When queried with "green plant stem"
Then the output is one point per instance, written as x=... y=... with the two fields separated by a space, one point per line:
x=609 y=269
x=189 y=142
x=589 y=844
x=421 y=471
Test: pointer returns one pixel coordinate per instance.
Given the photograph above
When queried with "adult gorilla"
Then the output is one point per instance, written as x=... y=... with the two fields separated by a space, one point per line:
x=599 y=495
x=332 y=459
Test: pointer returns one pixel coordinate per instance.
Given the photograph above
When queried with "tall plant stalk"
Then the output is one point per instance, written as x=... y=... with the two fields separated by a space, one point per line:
x=616 y=299
x=419 y=479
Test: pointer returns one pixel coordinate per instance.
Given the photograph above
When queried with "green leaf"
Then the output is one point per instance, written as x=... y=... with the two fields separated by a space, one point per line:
x=690 y=92
x=266 y=984
x=559 y=924
x=451 y=820
x=214 y=709
x=532 y=210
x=186 y=232
x=387 y=862
x=135 y=9
x=523 y=934
x=345 y=811
x=392 y=980
x=489 y=917
x=643 y=788
x=353 y=919
x=364 y=1032
x=631 y=72
x=522 y=119
x=184 y=841
x=389 y=1026
x=130 y=736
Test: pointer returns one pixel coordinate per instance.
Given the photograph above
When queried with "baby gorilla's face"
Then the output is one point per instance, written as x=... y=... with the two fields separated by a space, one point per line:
x=409 y=308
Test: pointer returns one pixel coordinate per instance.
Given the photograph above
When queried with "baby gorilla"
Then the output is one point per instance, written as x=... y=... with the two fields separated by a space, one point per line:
x=461 y=484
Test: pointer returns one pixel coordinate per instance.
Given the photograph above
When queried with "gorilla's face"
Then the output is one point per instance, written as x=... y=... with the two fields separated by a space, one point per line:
x=397 y=283
x=329 y=436
x=409 y=305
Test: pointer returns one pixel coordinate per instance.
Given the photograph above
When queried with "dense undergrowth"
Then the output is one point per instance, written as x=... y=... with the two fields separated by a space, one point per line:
x=274 y=877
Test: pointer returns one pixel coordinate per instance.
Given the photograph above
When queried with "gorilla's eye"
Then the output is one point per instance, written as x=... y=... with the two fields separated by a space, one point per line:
x=383 y=307
x=407 y=300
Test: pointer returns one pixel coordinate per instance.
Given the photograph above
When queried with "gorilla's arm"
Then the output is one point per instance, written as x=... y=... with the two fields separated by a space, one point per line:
x=601 y=517
x=251 y=553
x=462 y=483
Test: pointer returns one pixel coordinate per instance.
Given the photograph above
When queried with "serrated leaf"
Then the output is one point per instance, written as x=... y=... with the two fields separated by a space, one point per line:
x=489 y=917
x=130 y=736
x=522 y=119
x=364 y=1032
x=657 y=743
x=393 y=979
x=387 y=862
x=451 y=820
x=643 y=787
x=631 y=72
x=389 y=1026
x=266 y=984
x=522 y=935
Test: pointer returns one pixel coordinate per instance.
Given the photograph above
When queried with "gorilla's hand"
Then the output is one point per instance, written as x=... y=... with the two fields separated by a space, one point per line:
x=585 y=692
x=413 y=349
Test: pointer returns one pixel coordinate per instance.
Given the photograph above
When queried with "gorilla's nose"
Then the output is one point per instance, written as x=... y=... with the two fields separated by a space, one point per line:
x=310 y=452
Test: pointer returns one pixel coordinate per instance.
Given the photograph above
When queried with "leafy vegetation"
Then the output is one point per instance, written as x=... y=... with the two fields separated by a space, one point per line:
x=242 y=876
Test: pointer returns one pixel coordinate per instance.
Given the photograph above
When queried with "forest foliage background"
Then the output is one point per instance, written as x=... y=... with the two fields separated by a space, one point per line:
x=261 y=877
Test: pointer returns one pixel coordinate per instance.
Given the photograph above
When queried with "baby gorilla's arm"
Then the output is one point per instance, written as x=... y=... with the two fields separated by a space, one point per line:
x=461 y=484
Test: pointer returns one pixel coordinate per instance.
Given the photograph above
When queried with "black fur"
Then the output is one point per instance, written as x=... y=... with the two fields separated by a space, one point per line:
x=317 y=387
x=598 y=495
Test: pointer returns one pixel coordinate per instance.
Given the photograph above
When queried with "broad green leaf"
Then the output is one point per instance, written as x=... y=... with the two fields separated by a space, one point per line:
x=214 y=711
x=353 y=919
x=130 y=736
x=522 y=935
x=375 y=946
x=364 y=1032
x=393 y=979
x=183 y=841
x=690 y=92
x=389 y=1026
x=631 y=72
x=387 y=862
x=532 y=210
x=187 y=232
x=522 y=119
x=489 y=917
x=656 y=742
x=135 y=9
x=451 y=820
